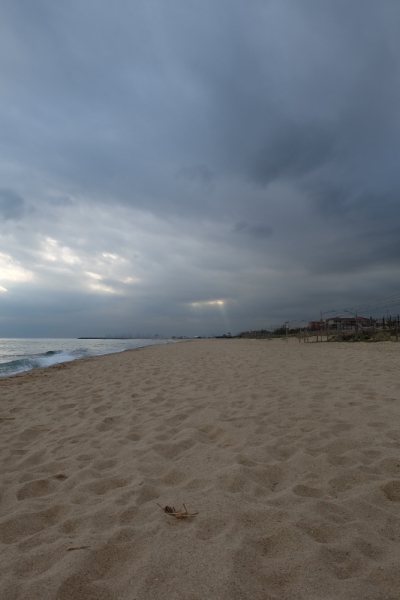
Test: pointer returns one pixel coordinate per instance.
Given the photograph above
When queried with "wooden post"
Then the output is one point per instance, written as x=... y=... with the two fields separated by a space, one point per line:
x=373 y=331
x=320 y=323
x=397 y=332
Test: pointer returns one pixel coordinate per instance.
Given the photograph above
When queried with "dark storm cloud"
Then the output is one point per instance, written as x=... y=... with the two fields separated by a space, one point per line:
x=62 y=201
x=176 y=85
x=12 y=206
x=294 y=152
x=174 y=154
x=198 y=173
x=258 y=231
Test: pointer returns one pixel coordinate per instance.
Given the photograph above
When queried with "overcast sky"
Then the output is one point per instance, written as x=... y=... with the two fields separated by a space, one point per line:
x=196 y=167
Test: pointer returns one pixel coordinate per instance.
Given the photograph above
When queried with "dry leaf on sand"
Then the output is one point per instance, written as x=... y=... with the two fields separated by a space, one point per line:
x=178 y=514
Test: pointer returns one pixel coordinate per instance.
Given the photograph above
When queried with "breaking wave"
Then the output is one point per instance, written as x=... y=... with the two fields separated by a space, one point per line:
x=16 y=355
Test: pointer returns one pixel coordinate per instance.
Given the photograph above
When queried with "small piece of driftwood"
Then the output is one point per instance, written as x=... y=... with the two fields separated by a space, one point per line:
x=178 y=514
x=77 y=548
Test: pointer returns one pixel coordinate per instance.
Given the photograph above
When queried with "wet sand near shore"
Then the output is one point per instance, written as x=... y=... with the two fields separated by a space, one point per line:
x=288 y=452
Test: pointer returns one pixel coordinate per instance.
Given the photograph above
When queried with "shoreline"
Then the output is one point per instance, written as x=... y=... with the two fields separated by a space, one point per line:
x=37 y=353
x=289 y=453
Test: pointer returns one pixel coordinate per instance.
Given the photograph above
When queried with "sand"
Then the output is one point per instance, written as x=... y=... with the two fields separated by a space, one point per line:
x=290 y=454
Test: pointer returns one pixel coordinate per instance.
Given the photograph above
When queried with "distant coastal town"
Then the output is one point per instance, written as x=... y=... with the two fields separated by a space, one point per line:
x=355 y=328
x=337 y=328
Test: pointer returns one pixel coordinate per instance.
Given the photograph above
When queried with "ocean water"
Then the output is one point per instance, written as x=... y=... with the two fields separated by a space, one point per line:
x=17 y=355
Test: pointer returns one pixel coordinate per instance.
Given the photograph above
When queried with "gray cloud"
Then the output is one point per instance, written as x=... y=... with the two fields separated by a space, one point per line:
x=197 y=173
x=178 y=155
x=294 y=152
x=259 y=231
x=12 y=206
x=62 y=201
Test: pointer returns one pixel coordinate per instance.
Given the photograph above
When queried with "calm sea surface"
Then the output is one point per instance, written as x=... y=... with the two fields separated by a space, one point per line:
x=17 y=355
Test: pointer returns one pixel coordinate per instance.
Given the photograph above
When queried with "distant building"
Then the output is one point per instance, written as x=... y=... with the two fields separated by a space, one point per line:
x=341 y=323
x=316 y=325
x=349 y=322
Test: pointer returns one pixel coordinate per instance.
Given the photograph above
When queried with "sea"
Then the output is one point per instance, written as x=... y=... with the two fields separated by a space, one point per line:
x=18 y=354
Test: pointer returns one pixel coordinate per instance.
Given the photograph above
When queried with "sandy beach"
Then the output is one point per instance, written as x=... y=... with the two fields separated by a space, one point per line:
x=288 y=452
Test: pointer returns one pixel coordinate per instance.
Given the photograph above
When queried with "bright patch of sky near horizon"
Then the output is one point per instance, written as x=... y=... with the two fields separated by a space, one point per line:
x=193 y=168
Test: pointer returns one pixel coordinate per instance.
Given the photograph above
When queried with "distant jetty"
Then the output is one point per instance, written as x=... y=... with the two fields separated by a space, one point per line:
x=124 y=337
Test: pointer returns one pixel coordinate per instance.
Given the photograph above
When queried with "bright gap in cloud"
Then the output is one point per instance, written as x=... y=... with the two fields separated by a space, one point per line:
x=101 y=287
x=10 y=269
x=208 y=303
x=53 y=252
x=94 y=275
x=109 y=255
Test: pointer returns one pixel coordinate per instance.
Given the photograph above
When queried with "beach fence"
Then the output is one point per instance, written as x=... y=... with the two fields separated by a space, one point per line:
x=339 y=329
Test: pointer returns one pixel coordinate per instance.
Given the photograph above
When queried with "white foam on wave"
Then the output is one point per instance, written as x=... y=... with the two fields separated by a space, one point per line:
x=54 y=359
x=32 y=354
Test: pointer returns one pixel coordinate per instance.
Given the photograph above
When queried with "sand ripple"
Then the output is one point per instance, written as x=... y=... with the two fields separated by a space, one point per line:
x=288 y=452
